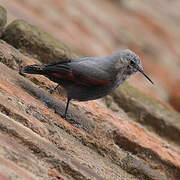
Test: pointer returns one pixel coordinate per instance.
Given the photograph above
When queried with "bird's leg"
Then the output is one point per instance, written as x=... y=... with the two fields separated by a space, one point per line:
x=67 y=105
x=52 y=90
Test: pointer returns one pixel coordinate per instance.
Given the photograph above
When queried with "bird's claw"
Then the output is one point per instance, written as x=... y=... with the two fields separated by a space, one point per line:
x=51 y=90
x=21 y=72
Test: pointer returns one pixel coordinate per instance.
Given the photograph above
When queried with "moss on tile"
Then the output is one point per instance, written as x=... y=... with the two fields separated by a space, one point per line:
x=36 y=42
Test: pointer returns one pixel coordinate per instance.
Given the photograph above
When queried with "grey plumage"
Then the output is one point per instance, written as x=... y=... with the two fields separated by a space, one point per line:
x=91 y=77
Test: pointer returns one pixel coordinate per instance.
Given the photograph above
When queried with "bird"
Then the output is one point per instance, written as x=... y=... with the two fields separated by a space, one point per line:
x=89 y=78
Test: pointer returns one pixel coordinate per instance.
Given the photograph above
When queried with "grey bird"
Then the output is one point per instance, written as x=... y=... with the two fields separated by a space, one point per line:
x=89 y=78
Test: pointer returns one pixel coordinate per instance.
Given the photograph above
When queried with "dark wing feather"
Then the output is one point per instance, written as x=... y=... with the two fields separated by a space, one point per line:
x=54 y=63
x=80 y=71
x=60 y=67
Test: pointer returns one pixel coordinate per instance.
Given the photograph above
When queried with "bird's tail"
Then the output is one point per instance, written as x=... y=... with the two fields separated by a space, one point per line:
x=33 y=69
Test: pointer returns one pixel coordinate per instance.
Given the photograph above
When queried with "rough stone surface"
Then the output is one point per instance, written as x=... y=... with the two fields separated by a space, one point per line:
x=137 y=141
x=153 y=114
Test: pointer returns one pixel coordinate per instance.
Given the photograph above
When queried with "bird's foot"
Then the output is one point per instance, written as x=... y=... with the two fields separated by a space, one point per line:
x=51 y=90
x=69 y=119
x=65 y=116
x=21 y=72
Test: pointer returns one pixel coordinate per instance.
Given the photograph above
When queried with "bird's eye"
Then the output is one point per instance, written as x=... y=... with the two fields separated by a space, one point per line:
x=132 y=63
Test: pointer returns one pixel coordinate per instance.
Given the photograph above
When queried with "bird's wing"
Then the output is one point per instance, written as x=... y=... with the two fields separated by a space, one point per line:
x=85 y=71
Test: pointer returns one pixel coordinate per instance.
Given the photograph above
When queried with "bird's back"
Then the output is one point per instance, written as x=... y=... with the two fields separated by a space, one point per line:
x=85 y=79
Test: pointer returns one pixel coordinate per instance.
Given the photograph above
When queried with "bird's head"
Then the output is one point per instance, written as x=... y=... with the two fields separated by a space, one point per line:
x=132 y=63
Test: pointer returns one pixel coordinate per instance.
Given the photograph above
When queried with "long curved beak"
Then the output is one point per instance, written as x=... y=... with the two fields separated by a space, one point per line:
x=141 y=70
